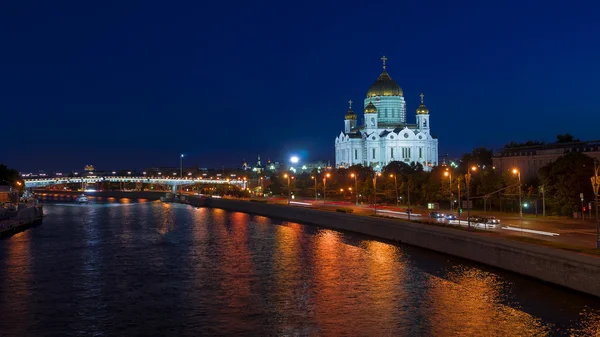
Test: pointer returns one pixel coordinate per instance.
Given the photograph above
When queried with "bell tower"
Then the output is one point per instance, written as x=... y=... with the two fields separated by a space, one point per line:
x=423 y=116
x=350 y=119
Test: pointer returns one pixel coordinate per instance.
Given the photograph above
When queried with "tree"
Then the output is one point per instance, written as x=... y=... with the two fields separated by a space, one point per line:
x=566 y=138
x=8 y=175
x=479 y=156
x=564 y=179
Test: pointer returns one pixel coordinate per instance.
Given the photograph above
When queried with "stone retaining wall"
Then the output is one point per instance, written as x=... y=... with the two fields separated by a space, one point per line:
x=571 y=270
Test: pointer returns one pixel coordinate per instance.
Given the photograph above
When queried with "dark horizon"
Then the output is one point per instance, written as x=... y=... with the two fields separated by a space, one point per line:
x=132 y=85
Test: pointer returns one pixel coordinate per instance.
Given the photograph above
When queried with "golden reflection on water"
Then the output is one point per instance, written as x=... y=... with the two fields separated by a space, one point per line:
x=470 y=303
x=291 y=293
x=167 y=219
x=236 y=266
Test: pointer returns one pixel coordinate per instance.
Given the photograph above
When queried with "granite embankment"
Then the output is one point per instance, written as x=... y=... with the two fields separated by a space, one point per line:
x=571 y=270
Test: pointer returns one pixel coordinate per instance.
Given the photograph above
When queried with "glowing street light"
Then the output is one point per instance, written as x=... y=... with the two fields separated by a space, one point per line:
x=375 y=190
x=287 y=176
x=449 y=175
x=355 y=176
x=395 y=186
x=325 y=176
x=468 y=182
x=518 y=173
x=294 y=159
x=181 y=166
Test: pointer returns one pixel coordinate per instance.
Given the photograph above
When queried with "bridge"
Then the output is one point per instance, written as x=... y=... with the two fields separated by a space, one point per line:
x=173 y=182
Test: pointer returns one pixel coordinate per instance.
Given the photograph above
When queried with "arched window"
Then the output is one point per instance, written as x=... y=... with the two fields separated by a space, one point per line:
x=372 y=121
x=424 y=123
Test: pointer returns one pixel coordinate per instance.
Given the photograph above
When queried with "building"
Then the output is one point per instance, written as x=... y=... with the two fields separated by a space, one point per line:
x=530 y=158
x=384 y=134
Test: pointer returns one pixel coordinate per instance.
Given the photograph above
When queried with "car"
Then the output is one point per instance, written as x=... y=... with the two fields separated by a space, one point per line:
x=492 y=220
x=436 y=215
x=450 y=216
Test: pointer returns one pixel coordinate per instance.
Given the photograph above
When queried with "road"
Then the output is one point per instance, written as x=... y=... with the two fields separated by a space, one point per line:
x=581 y=233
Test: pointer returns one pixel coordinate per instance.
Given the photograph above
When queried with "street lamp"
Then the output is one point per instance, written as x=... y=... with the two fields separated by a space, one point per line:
x=355 y=176
x=287 y=176
x=181 y=166
x=375 y=190
x=518 y=173
x=315 y=179
x=325 y=176
x=595 y=185
x=468 y=182
x=294 y=159
x=395 y=186
x=449 y=175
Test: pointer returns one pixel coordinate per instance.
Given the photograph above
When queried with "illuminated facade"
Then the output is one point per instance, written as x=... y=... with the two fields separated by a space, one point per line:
x=385 y=136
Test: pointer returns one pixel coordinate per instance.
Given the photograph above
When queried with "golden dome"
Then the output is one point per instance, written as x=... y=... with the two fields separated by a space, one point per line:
x=422 y=109
x=350 y=114
x=370 y=108
x=384 y=86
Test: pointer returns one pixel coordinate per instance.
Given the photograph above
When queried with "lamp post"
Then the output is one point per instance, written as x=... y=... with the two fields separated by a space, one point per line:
x=595 y=185
x=262 y=190
x=518 y=173
x=287 y=176
x=408 y=210
x=468 y=182
x=395 y=187
x=315 y=179
x=449 y=175
x=355 y=176
x=375 y=190
x=325 y=176
x=181 y=166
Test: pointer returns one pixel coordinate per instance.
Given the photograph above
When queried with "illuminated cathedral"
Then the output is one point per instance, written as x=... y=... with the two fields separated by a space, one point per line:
x=384 y=134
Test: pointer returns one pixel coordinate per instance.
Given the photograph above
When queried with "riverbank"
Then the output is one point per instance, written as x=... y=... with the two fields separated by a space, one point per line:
x=567 y=269
x=12 y=222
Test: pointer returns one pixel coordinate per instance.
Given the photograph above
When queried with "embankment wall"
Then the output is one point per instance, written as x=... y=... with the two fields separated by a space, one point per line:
x=567 y=269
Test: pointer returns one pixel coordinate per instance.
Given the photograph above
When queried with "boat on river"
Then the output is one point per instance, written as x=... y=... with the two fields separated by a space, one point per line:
x=82 y=199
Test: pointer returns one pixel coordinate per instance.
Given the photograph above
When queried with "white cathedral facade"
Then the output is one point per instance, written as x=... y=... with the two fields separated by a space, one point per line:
x=385 y=136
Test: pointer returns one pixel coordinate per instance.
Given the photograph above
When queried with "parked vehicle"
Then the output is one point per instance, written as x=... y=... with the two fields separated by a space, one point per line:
x=450 y=216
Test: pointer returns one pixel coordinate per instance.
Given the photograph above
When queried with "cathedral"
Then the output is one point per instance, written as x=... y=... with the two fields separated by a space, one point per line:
x=385 y=136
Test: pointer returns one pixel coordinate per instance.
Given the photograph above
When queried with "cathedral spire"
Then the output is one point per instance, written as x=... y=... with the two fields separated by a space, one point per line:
x=384 y=59
x=422 y=98
x=350 y=102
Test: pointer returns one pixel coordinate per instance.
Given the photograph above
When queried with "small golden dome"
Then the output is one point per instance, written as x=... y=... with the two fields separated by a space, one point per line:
x=422 y=109
x=350 y=115
x=370 y=108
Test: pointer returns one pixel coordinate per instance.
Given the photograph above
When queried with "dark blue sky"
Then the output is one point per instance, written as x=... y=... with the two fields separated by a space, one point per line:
x=134 y=83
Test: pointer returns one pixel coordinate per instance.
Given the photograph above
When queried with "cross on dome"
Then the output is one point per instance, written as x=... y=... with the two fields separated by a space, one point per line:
x=422 y=98
x=384 y=59
x=350 y=102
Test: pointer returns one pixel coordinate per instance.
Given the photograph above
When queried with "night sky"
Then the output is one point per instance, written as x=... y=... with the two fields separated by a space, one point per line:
x=130 y=84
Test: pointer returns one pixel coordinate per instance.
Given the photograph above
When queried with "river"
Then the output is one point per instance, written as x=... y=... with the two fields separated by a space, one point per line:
x=134 y=267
